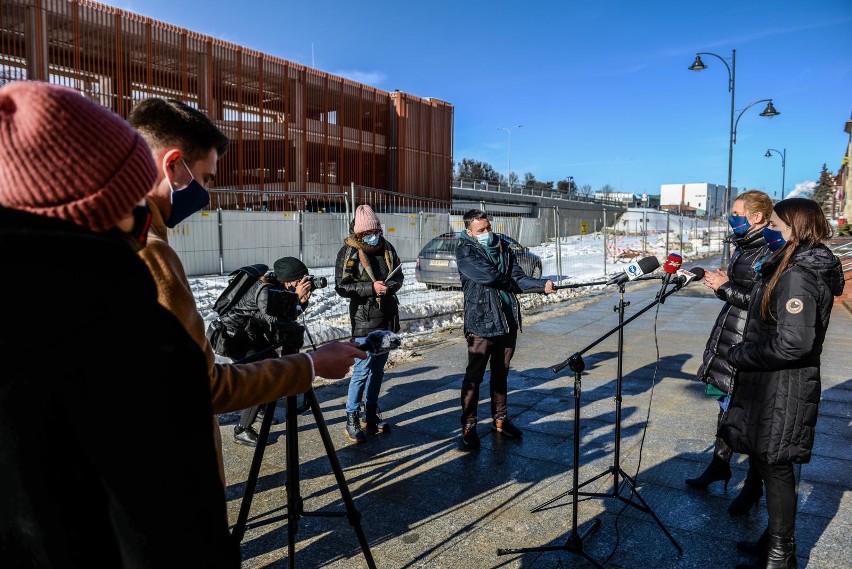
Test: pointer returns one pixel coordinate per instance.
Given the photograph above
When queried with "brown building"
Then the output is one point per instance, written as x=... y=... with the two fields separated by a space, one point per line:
x=301 y=138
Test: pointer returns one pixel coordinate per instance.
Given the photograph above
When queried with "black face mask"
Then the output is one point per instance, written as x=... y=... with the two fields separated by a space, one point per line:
x=187 y=201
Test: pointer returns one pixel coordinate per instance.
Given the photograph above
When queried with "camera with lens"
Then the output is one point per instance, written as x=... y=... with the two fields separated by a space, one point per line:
x=317 y=282
x=283 y=304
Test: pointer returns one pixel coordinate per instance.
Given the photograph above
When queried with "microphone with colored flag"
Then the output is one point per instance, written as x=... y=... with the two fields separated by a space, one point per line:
x=684 y=277
x=671 y=266
x=635 y=270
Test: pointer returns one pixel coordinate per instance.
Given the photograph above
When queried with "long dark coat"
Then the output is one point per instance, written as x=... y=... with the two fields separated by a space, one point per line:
x=773 y=411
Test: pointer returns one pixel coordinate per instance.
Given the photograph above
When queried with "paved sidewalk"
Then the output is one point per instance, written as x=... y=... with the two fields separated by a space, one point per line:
x=426 y=502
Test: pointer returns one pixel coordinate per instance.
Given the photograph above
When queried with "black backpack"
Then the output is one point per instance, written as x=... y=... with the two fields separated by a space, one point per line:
x=239 y=282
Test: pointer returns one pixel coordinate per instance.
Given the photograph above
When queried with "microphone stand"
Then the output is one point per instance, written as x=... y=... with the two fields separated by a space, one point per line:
x=574 y=543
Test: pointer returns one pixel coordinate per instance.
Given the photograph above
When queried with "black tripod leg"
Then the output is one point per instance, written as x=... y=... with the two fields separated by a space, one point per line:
x=295 y=504
x=352 y=514
x=251 y=483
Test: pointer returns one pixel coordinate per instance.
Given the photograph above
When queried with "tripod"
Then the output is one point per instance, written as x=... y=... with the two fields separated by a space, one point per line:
x=295 y=503
x=574 y=544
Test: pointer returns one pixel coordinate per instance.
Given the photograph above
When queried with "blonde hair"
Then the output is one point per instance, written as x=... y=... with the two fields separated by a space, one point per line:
x=757 y=202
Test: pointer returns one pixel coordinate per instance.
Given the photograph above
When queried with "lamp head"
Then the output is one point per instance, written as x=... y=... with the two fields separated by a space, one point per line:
x=769 y=111
x=768 y=154
x=697 y=65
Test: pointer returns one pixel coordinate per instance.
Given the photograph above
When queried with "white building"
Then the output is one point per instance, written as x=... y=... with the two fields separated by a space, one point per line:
x=695 y=198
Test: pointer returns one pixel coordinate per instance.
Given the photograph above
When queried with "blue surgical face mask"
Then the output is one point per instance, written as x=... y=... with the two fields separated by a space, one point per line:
x=371 y=239
x=773 y=239
x=187 y=200
x=484 y=238
x=740 y=224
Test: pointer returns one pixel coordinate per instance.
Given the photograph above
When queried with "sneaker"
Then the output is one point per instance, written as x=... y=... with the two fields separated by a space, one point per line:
x=505 y=427
x=470 y=438
x=245 y=436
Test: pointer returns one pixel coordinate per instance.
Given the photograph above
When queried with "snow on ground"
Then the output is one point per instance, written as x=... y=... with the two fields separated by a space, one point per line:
x=426 y=312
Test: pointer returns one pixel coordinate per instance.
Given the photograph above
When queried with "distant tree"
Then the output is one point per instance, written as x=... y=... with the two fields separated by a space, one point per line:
x=529 y=179
x=586 y=190
x=824 y=190
x=606 y=190
x=476 y=170
x=567 y=187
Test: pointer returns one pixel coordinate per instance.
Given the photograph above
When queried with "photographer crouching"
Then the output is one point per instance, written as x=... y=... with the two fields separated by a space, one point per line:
x=264 y=320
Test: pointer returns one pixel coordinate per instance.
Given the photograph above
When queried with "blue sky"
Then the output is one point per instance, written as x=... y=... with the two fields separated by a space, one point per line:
x=601 y=88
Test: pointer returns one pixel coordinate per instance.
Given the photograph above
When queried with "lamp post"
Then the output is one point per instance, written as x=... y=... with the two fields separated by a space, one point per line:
x=699 y=65
x=509 y=151
x=783 y=155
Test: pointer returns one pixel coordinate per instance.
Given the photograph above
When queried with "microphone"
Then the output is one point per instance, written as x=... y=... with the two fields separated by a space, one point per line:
x=380 y=342
x=685 y=277
x=635 y=270
x=671 y=266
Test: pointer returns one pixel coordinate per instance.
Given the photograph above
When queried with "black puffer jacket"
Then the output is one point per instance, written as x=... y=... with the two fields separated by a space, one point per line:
x=250 y=318
x=730 y=324
x=773 y=411
x=357 y=267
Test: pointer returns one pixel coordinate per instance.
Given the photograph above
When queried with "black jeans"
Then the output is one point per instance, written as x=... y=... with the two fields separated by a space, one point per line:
x=248 y=416
x=780 y=496
x=497 y=351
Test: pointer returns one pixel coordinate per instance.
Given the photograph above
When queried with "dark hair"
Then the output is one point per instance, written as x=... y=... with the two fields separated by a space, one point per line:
x=472 y=216
x=808 y=227
x=169 y=122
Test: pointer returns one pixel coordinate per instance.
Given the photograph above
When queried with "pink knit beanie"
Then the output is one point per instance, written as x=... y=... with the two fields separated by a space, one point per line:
x=365 y=220
x=64 y=156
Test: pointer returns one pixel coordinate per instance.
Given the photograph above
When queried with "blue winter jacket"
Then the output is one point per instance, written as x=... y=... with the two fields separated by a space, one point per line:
x=482 y=282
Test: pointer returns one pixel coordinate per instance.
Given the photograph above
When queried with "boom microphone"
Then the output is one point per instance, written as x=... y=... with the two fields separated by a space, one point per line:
x=671 y=266
x=380 y=342
x=635 y=270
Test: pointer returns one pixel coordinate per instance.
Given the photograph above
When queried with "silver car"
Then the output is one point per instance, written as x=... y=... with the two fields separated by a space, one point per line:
x=436 y=264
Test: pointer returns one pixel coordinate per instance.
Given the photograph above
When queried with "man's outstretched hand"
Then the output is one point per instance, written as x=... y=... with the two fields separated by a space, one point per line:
x=332 y=361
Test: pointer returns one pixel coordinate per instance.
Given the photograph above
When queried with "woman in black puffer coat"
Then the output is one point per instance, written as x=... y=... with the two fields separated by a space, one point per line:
x=749 y=215
x=773 y=410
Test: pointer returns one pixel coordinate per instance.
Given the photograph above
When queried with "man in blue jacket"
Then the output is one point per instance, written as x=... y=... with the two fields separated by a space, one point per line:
x=490 y=278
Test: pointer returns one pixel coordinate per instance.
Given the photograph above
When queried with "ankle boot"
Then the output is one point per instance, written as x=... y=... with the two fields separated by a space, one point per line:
x=781 y=553
x=718 y=469
x=750 y=494
x=353 y=428
x=372 y=422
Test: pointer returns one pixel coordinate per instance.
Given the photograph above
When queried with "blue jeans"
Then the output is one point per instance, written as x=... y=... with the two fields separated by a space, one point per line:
x=367 y=376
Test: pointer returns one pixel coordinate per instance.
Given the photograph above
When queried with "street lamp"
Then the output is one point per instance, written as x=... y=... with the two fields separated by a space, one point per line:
x=783 y=155
x=699 y=65
x=509 y=151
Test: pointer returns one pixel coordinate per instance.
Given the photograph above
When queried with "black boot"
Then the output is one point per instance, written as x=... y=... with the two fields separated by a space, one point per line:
x=353 y=428
x=718 y=469
x=781 y=553
x=750 y=494
x=372 y=422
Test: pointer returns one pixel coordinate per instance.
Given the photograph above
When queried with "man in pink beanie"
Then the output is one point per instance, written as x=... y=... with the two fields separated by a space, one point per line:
x=362 y=274
x=85 y=330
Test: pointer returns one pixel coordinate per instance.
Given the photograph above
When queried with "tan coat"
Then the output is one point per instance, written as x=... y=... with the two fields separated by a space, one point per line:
x=232 y=386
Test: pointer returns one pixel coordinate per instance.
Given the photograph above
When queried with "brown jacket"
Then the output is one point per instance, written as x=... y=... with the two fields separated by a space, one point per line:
x=232 y=386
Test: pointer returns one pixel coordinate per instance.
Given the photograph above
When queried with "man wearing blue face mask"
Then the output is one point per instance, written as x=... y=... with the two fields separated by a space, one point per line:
x=186 y=147
x=490 y=277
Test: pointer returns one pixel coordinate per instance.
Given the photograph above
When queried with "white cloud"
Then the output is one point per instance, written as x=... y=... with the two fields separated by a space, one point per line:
x=374 y=78
x=802 y=190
